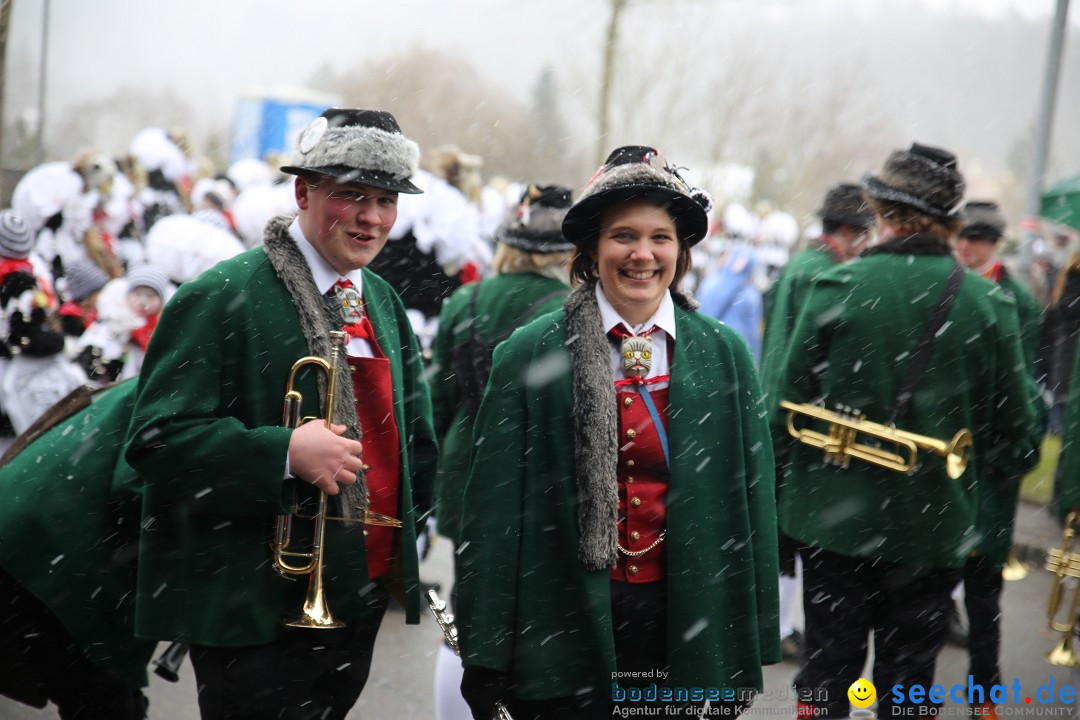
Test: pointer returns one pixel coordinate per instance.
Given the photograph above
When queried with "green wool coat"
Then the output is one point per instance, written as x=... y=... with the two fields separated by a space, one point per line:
x=526 y=604
x=786 y=298
x=997 y=498
x=1069 y=492
x=210 y=448
x=860 y=323
x=1030 y=314
x=69 y=519
x=503 y=303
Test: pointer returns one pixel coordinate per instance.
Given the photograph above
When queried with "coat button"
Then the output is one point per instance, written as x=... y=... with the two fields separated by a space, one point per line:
x=628 y=401
x=631 y=433
x=629 y=478
x=635 y=501
x=632 y=570
x=352 y=369
x=365 y=468
x=635 y=535
x=630 y=463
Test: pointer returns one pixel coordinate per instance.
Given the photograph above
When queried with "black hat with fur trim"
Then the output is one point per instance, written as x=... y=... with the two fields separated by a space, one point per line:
x=638 y=172
x=924 y=177
x=845 y=204
x=983 y=221
x=537 y=225
x=362 y=146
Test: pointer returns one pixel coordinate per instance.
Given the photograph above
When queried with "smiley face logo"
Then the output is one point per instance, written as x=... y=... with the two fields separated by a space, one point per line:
x=862 y=693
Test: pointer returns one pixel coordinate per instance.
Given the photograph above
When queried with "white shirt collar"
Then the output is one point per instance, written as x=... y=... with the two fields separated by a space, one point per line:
x=325 y=276
x=664 y=318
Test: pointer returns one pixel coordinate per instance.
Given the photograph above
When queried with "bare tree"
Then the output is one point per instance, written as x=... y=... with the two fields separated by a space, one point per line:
x=607 y=75
x=441 y=99
x=109 y=123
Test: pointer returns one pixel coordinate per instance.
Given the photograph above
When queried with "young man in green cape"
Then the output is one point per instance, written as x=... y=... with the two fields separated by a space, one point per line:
x=219 y=468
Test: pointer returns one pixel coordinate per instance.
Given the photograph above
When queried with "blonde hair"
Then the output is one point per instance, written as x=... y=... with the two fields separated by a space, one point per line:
x=553 y=265
x=1071 y=268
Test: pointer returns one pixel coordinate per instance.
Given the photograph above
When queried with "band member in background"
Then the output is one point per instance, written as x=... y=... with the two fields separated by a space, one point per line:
x=906 y=336
x=619 y=512
x=219 y=468
x=846 y=224
x=67 y=566
x=532 y=278
x=976 y=248
x=984 y=226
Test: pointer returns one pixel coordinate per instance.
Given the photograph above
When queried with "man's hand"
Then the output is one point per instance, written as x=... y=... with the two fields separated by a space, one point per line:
x=323 y=457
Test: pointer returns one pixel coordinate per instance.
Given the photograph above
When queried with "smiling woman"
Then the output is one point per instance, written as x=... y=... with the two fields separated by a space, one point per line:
x=605 y=551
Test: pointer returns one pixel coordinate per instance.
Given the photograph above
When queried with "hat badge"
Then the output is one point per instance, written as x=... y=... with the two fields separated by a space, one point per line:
x=311 y=135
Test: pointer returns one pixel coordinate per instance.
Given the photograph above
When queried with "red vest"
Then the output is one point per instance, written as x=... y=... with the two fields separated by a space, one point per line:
x=643 y=482
x=373 y=389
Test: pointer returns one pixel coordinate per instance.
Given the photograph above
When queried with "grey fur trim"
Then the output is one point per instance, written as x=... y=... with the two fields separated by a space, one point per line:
x=596 y=450
x=316 y=312
x=634 y=174
x=363 y=148
x=684 y=299
x=596 y=425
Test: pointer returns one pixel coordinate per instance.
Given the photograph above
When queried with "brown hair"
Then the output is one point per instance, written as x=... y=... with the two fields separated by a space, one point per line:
x=907 y=220
x=583 y=266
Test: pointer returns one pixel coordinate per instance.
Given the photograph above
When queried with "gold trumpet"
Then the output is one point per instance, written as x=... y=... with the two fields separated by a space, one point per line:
x=846 y=425
x=315 y=613
x=1064 y=563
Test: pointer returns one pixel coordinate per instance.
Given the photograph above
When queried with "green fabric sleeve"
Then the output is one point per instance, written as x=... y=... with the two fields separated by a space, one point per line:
x=491 y=518
x=185 y=436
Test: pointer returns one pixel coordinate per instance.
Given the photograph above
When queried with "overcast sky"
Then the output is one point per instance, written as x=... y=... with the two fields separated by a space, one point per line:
x=210 y=51
x=216 y=48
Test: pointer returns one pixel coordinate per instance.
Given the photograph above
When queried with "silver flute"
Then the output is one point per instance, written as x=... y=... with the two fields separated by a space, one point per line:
x=446 y=624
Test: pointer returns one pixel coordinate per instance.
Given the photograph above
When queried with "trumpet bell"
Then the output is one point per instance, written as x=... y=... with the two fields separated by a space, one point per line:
x=1014 y=569
x=316 y=613
x=1062 y=654
x=958 y=454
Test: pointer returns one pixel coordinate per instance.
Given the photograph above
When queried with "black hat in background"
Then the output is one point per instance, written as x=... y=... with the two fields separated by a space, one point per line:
x=638 y=172
x=362 y=146
x=983 y=220
x=536 y=226
x=845 y=204
x=924 y=177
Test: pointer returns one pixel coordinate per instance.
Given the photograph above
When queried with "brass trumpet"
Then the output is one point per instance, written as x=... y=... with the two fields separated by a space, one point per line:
x=840 y=442
x=1064 y=563
x=315 y=613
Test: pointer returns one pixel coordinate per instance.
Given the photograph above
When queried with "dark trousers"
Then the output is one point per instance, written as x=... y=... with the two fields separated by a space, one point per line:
x=303 y=675
x=639 y=623
x=982 y=599
x=40 y=662
x=844 y=598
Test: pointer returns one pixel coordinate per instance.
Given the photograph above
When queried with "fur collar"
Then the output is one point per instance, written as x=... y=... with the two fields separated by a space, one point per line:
x=596 y=445
x=931 y=245
x=315 y=313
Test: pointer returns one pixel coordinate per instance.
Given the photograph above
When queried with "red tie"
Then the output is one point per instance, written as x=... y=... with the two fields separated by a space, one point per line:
x=362 y=329
x=620 y=331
